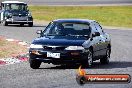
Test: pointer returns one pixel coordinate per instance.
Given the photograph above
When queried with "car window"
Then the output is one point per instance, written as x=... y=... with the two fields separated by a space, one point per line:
x=99 y=28
x=48 y=28
x=16 y=7
x=73 y=29
x=94 y=29
x=76 y=28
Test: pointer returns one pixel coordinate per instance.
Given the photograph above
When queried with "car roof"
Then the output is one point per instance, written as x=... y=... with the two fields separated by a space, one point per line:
x=74 y=20
x=8 y=2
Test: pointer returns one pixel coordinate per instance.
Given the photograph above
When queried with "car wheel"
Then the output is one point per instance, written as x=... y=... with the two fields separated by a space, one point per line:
x=30 y=24
x=34 y=64
x=4 y=23
x=89 y=60
x=105 y=60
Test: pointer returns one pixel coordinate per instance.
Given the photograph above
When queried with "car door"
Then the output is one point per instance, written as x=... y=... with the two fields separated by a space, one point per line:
x=102 y=40
x=95 y=41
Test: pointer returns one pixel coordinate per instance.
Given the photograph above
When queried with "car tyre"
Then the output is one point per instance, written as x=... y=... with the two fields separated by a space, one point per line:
x=4 y=23
x=30 y=24
x=105 y=60
x=34 y=64
x=89 y=60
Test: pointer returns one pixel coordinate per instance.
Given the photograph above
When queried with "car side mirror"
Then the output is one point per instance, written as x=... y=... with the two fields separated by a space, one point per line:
x=96 y=34
x=39 y=32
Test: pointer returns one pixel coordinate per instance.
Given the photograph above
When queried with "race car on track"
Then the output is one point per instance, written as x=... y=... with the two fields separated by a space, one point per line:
x=74 y=41
x=15 y=12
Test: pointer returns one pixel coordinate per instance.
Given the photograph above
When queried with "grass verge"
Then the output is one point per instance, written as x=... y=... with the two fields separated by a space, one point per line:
x=9 y=49
x=120 y=16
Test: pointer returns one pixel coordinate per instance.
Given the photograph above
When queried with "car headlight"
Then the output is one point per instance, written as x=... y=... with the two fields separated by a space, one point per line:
x=36 y=46
x=74 y=48
x=8 y=15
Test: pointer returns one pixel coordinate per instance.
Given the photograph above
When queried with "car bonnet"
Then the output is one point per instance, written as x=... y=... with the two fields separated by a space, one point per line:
x=60 y=41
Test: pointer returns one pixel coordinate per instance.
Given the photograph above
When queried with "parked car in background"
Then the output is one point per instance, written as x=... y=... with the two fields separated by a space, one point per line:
x=72 y=41
x=15 y=12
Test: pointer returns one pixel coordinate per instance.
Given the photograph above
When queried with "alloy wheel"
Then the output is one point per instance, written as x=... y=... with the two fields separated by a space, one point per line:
x=89 y=59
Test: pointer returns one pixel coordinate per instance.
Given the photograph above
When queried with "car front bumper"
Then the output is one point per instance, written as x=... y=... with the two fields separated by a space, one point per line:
x=18 y=20
x=66 y=56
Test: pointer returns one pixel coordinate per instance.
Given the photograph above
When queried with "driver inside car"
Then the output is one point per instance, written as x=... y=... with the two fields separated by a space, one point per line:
x=59 y=29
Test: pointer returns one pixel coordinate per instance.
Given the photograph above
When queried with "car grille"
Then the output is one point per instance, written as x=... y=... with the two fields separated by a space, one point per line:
x=17 y=14
x=17 y=18
x=53 y=48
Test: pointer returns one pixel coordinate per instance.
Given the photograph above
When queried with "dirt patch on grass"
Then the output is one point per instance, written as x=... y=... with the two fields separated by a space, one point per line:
x=10 y=49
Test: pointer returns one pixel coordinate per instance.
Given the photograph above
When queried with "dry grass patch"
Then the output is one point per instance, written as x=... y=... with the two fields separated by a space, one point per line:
x=9 y=49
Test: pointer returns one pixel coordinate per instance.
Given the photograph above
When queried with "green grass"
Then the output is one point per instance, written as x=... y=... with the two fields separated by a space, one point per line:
x=106 y=15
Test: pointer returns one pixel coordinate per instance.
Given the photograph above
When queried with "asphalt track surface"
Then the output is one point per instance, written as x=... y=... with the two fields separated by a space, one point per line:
x=78 y=2
x=20 y=75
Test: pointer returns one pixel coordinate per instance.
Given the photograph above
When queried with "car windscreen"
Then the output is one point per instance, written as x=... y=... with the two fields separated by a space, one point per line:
x=73 y=29
x=16 y=6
